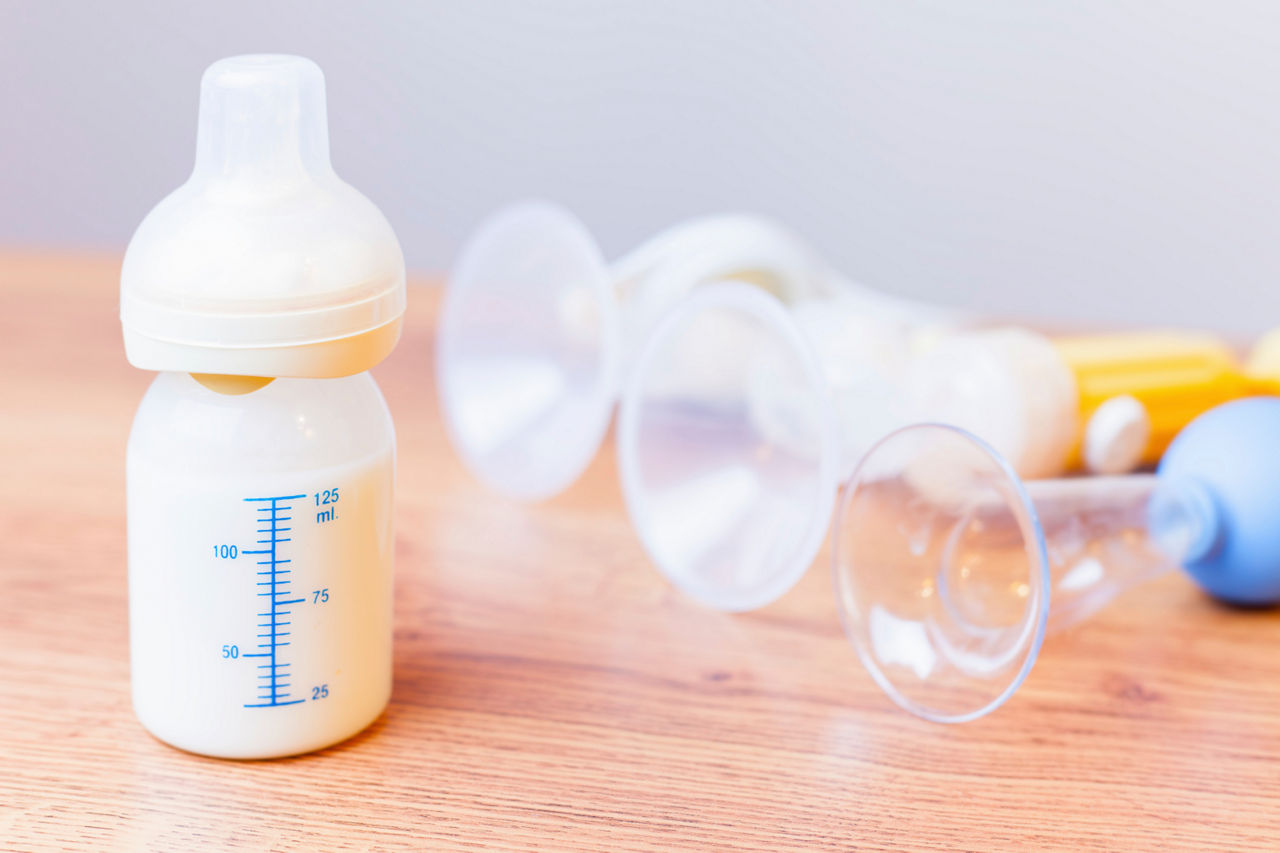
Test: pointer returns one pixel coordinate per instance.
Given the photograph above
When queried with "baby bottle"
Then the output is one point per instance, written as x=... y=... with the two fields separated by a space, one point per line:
x=261 y=463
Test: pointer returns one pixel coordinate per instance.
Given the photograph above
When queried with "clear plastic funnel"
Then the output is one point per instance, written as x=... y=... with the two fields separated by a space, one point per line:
x=528 y=351
x=730 y=489
x=949 y=569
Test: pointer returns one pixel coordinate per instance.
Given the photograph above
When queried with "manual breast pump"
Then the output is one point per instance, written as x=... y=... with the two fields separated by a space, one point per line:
x=261 y=463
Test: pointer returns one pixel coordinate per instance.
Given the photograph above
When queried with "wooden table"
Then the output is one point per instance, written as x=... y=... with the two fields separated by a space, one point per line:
x=552 y=691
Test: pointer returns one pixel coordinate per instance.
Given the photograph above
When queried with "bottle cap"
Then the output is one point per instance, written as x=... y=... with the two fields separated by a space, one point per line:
x=264 y=262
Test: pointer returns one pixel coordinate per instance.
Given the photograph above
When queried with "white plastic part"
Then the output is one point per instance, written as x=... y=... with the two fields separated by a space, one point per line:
x=1010 y=387
x=537 y=332
x=260 y=628
x=1116 y=435
x=264 y=262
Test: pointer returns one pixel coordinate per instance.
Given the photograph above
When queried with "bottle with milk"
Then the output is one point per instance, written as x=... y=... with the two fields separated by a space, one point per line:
x=261 y=463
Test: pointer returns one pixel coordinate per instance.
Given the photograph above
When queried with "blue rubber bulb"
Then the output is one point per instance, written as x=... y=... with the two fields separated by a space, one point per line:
x=1233 y=452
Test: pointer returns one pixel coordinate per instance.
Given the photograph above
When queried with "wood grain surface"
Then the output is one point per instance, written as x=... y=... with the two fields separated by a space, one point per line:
x=551 y=691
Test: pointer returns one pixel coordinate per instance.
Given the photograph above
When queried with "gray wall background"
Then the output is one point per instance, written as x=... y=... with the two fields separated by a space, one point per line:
x=1114 y=162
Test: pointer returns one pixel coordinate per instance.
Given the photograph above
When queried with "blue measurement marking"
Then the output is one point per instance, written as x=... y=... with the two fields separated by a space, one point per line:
x=273 y=686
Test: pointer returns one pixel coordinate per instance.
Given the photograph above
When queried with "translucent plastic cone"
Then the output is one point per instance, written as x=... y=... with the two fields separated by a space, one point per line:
x=536 y=330
x=528 y=351
x=730 y=492
x=949 y=569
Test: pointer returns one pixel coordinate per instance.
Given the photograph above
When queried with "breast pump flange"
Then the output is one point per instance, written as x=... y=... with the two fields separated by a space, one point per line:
x=537 y=331
x=732 y=499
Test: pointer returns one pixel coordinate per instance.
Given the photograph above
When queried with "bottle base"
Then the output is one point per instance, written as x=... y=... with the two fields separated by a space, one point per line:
x=259 y=746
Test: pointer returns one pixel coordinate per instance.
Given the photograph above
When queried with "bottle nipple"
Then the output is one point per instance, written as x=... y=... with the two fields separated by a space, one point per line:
x=263 y=126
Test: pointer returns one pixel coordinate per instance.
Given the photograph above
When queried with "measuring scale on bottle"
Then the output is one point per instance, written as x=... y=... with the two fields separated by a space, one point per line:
x=275 y=681
x=261 y=463
x=274 y=623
